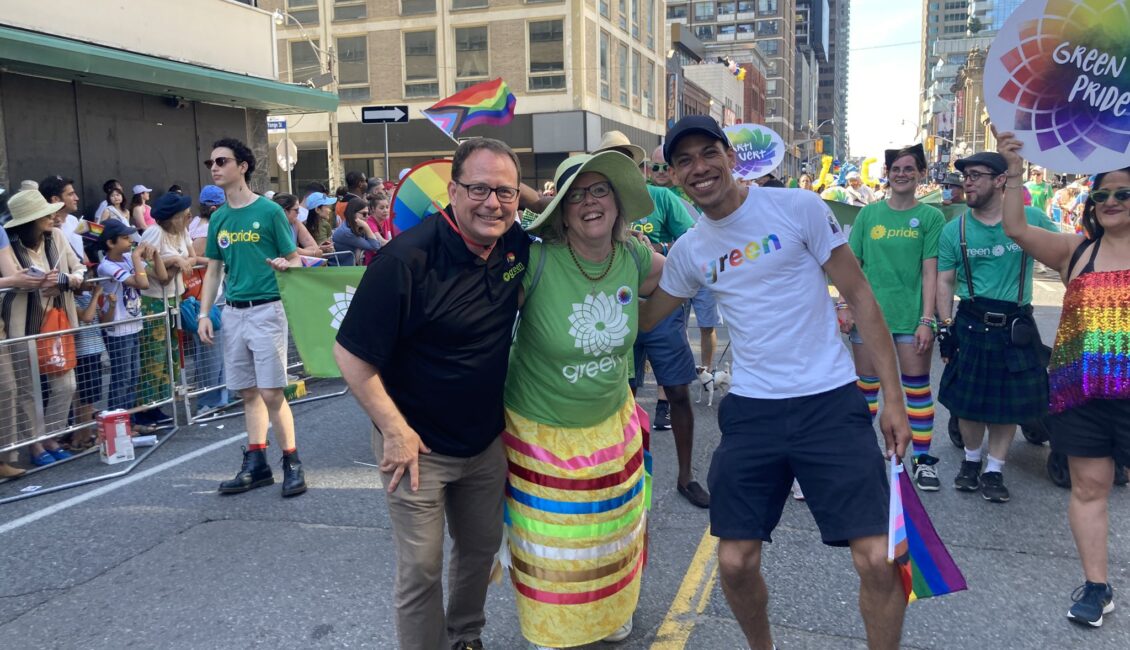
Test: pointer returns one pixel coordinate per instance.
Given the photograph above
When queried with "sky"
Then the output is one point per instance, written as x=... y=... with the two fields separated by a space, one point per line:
x=884 y=71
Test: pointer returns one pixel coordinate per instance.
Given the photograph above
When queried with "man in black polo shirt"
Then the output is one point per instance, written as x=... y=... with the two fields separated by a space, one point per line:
x=424 y=349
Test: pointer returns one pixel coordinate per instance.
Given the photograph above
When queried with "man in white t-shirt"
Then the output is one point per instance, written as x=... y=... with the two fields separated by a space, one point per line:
x=794 y=409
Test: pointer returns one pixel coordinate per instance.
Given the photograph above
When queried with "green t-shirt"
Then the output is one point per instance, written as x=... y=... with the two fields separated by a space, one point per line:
x=244 y=239
x=570 y=361
x=669 y=220
x=993 y=257
x=1040 y=192
x=891 y=245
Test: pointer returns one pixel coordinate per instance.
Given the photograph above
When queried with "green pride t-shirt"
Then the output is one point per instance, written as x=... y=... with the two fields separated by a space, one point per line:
x=670 y=219
x=993 y=257
x=244 y=239
x=569 y=363
x=891 y=246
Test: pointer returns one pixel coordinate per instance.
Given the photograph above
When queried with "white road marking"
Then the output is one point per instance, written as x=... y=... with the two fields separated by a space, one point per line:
x=117 y=485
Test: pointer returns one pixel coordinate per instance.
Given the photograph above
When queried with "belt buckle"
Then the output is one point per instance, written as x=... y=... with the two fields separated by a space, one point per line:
x=994 y=319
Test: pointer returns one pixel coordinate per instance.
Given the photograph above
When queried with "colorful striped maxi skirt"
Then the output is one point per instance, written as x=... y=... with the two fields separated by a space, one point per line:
x=576 y=502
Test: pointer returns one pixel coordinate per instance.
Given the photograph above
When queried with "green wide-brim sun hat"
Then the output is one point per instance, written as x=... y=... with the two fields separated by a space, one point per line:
x=620 y=170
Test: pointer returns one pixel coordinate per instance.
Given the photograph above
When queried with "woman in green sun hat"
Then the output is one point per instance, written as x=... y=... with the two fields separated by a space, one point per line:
x=576 y=442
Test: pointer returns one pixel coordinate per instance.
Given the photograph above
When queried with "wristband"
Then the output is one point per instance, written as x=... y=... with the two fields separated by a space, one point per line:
x=929 y=322
x=840 y=306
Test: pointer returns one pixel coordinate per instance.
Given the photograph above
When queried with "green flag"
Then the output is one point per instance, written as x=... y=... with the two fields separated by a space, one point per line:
x=315 y=300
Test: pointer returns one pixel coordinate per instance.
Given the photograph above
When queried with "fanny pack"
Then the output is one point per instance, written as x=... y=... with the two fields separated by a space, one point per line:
x=1019 y=323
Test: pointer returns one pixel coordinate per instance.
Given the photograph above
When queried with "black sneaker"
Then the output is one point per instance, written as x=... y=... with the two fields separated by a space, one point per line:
x=925 y=474
x=662 y=421
x=968 y=477
x=475 y=644
x=294 y=478
x=1092 y=600
x=992 y=487
x=254 y=473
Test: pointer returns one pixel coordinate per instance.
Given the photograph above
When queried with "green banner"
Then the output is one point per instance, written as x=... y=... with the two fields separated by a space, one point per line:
x=315 y=300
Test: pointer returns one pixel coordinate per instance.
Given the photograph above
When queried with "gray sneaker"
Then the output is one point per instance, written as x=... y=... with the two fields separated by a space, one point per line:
x=992 y=487
x=926 y=474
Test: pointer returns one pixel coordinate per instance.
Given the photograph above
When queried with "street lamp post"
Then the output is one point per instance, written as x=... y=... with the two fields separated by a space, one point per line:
x=326 y=58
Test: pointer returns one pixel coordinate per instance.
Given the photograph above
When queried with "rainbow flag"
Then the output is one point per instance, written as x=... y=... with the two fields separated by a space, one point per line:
x=310 y=262
x=925 y=565
x=490 y=102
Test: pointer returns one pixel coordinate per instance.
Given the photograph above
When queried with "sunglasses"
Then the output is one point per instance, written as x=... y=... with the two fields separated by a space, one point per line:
x=219 y=160
x=1100 y=196
x=659 y=167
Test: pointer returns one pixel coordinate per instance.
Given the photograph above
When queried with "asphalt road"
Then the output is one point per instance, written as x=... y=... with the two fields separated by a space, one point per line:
x=159 y=560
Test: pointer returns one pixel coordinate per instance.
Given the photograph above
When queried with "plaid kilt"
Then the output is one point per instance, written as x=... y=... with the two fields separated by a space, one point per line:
x=990 y=380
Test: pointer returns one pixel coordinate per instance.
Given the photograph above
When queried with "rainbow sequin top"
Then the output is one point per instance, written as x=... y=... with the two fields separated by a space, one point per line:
x=1091 y=359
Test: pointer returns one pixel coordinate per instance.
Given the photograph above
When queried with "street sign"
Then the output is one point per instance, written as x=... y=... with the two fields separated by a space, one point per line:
x=384 y=114
x=276 y=124
x=287 y=154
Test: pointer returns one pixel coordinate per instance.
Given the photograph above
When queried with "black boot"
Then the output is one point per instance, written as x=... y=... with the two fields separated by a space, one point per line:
x=254 y=473
x=294 y=479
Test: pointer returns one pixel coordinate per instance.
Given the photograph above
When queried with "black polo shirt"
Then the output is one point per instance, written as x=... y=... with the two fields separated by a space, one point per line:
x=435 y=320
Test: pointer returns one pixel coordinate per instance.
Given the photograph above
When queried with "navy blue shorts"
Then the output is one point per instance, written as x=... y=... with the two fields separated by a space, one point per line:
x=826 y=441
x=1099 y=428
x=88 y=378
x=667 y=348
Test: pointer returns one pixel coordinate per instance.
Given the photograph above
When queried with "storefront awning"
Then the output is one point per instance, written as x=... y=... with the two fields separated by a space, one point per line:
x=38 y=54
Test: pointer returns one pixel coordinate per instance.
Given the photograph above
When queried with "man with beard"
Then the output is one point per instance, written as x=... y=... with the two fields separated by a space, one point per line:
x=994 y=376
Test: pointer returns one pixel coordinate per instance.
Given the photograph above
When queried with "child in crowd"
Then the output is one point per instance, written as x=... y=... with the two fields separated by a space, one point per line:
x=126 y=271
x=89 y=347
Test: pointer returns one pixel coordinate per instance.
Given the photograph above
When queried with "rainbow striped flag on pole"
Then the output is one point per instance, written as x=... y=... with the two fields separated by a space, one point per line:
x=490 y=102
x=925 y=565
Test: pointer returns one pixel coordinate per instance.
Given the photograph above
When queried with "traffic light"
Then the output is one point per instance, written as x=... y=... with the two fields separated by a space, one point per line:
x=819 y=145
x=930 y=143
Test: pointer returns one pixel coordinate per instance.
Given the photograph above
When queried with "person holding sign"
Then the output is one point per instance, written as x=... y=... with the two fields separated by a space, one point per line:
x=1089 y=374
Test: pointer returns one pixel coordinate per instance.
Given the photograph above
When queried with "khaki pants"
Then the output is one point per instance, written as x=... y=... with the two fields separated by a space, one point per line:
x=468 y=492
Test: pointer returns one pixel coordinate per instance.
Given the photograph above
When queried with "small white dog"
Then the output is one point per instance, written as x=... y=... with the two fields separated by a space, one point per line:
x=711 y=381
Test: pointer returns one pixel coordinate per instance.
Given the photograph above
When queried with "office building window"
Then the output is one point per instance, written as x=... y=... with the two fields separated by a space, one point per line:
x=648 y=87
x=304 y=61
x=304 y=11
x=727 y=29
x=636 y=19
x=767 y=7
x=704 y=32
x=420 y=78
x=622 y=56
x=349 y=9
x=470 y=56
x=745 y=6
x=547 y=55
x=412 y=7
x=636 y=80
x=727 y=8
x=622 y=8
x=770 y=47
x=471 y=4
x=768 y=27
x=676 y=11
x=353 y=68
x=604 y=11
x=605 y=55
x=703 y=11
x=649 y=20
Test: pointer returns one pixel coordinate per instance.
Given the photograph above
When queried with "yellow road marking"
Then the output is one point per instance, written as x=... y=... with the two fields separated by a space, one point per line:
x=690 y=601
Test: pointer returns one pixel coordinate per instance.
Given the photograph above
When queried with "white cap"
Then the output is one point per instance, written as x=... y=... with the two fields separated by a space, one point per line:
x=141 y=189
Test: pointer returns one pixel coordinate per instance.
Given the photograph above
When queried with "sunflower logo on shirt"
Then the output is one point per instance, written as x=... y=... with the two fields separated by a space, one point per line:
x=598 y=325
x=878 y=232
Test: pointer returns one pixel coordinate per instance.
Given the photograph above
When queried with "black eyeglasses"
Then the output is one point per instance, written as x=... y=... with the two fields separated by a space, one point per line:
x=219 y=160
x=977 y=176
x=481 y=192
x=598 y=190
x=658 y=167
x=1100 y=196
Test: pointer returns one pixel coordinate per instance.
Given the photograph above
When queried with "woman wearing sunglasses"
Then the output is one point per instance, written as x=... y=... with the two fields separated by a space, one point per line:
x=1089 y=375
x=578 y=485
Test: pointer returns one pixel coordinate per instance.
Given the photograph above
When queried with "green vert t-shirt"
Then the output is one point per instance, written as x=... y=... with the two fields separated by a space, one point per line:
x=1040 y=192
x=993 y=257
x=668 y=221
x=570 y=360
x=244 y=239
x=891 y=246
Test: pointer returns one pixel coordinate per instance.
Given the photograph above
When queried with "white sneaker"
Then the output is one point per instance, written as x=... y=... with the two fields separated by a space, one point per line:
x=620 y=634
x=797 y=494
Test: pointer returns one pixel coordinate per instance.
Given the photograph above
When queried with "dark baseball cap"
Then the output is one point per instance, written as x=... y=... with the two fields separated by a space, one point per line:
x=990 y=159
x=690 y=125
x=112 y=229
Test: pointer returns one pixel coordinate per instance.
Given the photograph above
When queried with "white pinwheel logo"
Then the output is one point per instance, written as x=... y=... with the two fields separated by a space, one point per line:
x=599 y=324
x=340 y=306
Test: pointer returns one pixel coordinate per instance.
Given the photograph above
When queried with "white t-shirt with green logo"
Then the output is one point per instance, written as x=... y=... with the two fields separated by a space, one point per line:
x=570 y=360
